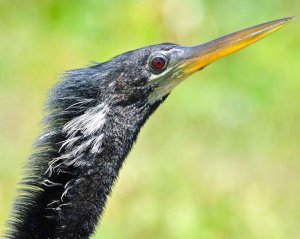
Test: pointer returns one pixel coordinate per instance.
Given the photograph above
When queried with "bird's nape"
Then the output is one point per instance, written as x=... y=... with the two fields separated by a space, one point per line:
x=93 y=118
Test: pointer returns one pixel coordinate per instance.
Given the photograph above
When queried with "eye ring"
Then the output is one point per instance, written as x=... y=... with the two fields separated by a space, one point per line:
x=158 y=63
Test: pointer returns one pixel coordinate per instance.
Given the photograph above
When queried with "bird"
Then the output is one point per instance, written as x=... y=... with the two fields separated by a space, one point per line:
x=93 y=117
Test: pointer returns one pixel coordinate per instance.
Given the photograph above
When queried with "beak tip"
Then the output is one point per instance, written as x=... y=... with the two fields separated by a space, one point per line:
x=277 y=24
x=288 y=19
x=292 y=18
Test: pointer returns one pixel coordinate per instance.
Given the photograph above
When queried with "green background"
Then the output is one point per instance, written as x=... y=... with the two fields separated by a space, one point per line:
x=219 y=159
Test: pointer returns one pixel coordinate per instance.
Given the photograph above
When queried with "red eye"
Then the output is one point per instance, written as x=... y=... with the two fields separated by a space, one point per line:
x=158 y=63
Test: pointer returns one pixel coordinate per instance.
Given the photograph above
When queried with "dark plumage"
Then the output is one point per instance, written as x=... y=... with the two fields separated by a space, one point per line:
x=93 y=118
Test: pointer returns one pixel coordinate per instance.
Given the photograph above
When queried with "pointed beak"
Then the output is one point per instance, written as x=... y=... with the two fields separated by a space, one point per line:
x=197 y=57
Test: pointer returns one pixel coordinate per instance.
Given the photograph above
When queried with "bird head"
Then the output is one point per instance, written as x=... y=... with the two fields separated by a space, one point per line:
x=149 y=74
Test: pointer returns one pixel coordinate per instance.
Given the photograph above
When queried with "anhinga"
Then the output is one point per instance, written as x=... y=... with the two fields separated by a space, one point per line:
x=93 y=118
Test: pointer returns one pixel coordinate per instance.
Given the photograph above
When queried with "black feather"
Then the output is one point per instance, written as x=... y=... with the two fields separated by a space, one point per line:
x=64 y=197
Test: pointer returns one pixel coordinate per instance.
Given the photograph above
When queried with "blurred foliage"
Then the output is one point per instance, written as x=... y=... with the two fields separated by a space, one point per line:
x=219 y=159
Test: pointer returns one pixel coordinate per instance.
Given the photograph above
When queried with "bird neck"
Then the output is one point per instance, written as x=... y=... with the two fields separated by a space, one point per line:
x=78 y=163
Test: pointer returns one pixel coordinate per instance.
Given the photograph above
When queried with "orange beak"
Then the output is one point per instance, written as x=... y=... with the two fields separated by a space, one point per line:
x=197 y=57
